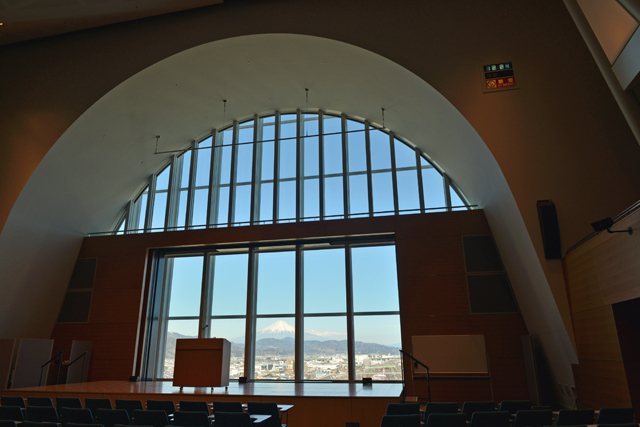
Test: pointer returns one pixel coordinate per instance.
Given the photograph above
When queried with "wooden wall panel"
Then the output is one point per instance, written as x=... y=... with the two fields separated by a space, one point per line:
x=474 y=223
x=601 y=383
x=434 y=256
x=111 y=369
x=596 y=336
x=503 y=372
x=121 y=305
x=437 y=295
x=120 y=272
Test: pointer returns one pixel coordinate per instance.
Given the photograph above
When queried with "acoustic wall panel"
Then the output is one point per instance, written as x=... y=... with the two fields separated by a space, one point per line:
x=32 y=354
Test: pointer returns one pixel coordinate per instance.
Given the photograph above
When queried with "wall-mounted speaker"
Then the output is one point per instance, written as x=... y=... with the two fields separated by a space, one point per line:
x=550 y=229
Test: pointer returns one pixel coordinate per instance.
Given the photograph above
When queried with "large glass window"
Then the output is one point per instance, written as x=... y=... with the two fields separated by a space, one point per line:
x=291 y=167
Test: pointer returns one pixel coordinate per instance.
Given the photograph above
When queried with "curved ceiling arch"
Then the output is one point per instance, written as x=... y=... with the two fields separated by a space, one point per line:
x=100 y=161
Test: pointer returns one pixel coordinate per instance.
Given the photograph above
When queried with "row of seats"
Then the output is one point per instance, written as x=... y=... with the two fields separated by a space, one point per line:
x=159 y=413
x=508 y=414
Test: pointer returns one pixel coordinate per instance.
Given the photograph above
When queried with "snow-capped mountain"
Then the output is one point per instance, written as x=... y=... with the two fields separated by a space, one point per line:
x=279 y=329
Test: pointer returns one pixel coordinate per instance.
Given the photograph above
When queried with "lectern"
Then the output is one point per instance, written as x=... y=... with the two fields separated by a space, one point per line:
x=202 y=362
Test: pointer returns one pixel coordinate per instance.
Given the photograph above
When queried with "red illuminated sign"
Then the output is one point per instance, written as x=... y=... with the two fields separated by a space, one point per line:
x=497 y=83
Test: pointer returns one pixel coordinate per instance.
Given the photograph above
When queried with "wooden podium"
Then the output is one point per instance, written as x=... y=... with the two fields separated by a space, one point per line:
x=202 y=362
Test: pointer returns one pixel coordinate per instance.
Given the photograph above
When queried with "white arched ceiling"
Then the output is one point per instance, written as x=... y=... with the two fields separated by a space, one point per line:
x=87 y=177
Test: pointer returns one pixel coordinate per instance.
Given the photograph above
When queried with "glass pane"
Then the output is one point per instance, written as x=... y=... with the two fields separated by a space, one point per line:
x=186 y=169
x=357 y=151
x=229 y=285
x=276 y=282
x=287 y=159
x=200 y=202
x=245 y=132
x=243 y=205
x=122 y=227
x=353 y=125
x=233 y=330
x=375 y=280
x=311 y=200
x=275 y=349
x=382 y=184
x=244 y=163
x=185 y=283
x=380 y=150
x=311 y=156
x=324 y=278
x=266 y=202
x=223 y=160
x=182 y=208
x=405 y=155
x=287 y=200
x=333 y=198
x=325 y=348
x=159 y=211
x=332 y=124
x=433 y=188
x=267 y=160
x=310 y=125
x=175 y=329
x=332 y=154
x=456 y=201
x=377 y=343
x=140 y=208
x=408 y=192
x=226 y=136
x=162 y=181
x=266 y=131
x=222 y=216
x=358 y=195
x=288 y=126
x=203 y=164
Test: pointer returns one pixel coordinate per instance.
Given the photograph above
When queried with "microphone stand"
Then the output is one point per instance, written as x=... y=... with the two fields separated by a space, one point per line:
x=84 y=361
x=422 y=364
x=59 y=355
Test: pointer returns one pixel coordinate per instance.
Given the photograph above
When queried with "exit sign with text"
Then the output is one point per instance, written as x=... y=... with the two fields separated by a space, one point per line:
x=496 y=77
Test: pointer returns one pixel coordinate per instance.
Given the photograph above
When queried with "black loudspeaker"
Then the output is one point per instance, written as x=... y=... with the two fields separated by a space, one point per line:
x=134 y=379
x=242 y=380
x=367 y=381
x=550 y=229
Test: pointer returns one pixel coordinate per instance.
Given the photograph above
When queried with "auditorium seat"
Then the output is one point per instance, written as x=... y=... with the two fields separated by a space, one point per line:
x=42 y=414
x=220 y=406
x=468 y=408
x=39 y=401
x=68 y=402
x=233 y=419
x=83 y=425
x=266 y=408
x=615 y=416
x=619 y=425
x=129 y=405
x=12 y=401
x=440 y=408
x=533 y=418
x=11 y=413
x=75 y=415
x=109 y=417
x=403 y=408
x=401 y=421
x=568 y=417
x=490 y=419
x=154 y=418
x=38 y=424
x=446 y=420
x=168 y=406
x=97 y=403
x=192 y=405
x=513 y=406
x=191 y=419
x=8 y=423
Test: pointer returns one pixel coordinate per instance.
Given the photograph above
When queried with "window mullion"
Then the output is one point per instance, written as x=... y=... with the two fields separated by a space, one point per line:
x=447 y=191
x=420 y=183
x=367 y=137
x=299 y=319
x=276 y=167
x=204 y=330
x=394 y=173
x=173 y=192
x=151 y=197
x=214 y=183
x=351 y=343
x=250 y=327
x=233 y=177
x=345 y=164
x=256 y=172
x=128 y=217
x=192 y=185
x=321 y=162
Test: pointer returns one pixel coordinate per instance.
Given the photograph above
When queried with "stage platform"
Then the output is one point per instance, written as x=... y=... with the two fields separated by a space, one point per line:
x=321 y=404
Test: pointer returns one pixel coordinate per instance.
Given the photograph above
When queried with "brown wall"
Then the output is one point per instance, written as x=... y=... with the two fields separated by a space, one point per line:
x=600 y=273
x=431 y=278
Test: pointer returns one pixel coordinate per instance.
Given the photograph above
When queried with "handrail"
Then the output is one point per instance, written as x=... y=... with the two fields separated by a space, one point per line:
x=59 y=355
x=83 y=355
x=417 y=362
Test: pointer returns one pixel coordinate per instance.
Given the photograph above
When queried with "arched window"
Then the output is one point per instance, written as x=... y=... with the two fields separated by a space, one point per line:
x=290 y=167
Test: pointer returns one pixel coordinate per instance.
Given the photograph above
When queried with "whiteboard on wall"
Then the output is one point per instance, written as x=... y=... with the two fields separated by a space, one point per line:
x=450 y=354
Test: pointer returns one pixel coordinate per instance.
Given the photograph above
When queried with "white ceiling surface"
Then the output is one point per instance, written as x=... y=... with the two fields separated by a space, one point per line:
x=29 y=19
x=85 y=180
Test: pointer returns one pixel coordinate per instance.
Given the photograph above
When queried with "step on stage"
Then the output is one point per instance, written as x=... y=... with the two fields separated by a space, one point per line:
x=319 y=404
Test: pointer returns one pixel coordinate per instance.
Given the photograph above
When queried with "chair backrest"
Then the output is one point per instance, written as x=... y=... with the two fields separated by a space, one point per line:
x=83 y=425
x=191 y=419
x=403 y=408
x=266 y=408
x=440 y=408
x=446 y=420
x=8 y=423
x=154 y=418
x=468 y=408
x=129 y=405
x=42 y=414
x=220 y=406
x=68 y=402
x=165 y=405
x=412 y=420
x=615 y=416
x=39 y=401
x=75 y=415
x=97 y=403
x=533 y=418
x=569 y=417
x=490 y=419
x=192 y=405
x=233 y=419
x=38 y=424
x=110 y=417
x=619 y=425
x=12 y=401
x=11 y=413
x=513 y=406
